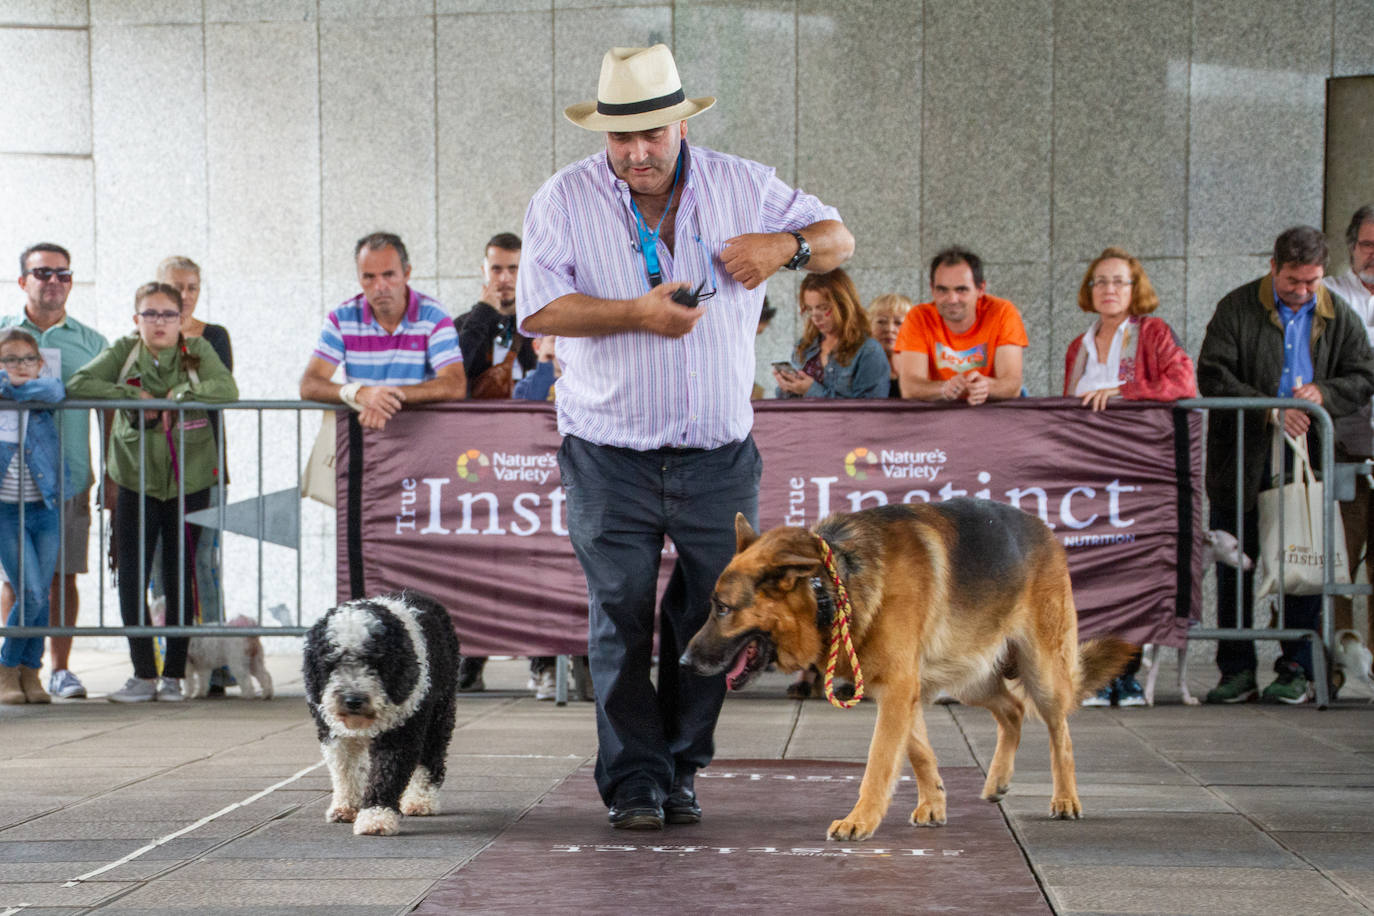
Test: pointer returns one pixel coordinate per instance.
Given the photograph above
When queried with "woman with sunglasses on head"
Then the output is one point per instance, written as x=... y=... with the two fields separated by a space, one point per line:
x=836 y=357
x=179 y=455
x=1125 y=353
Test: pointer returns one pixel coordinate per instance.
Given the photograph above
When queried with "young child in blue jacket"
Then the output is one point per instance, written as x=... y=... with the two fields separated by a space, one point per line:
x=35 y=486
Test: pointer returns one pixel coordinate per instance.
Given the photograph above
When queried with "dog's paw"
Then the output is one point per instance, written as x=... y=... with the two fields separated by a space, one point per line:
x=853 y=827
x=340 y=814
x=1067 y=808
x=377 y=822
x=420 y=805
x=993 y=792
x=929 y=814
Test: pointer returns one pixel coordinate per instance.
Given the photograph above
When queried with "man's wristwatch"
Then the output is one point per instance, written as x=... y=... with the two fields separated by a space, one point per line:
x=803 y=253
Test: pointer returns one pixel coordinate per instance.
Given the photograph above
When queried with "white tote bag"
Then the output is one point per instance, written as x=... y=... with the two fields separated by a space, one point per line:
x=317 y=479
x=1300 y=540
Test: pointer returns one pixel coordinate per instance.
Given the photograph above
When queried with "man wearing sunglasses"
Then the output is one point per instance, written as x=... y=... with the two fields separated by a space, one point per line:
x=45 y=276
x=649 y=262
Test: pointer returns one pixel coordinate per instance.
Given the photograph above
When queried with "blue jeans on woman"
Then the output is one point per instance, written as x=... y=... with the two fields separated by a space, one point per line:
x=39 y=540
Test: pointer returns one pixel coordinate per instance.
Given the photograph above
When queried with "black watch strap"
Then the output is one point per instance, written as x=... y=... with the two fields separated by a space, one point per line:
x=803 y=255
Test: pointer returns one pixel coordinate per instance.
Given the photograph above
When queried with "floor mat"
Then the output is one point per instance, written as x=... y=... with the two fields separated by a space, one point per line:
x=760 y=848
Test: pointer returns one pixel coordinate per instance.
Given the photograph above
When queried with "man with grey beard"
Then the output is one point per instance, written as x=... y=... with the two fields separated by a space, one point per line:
x=1356 y=287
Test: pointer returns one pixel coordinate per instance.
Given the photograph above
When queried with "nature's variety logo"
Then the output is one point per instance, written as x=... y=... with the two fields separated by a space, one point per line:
x=470 y=464
x=854 y=459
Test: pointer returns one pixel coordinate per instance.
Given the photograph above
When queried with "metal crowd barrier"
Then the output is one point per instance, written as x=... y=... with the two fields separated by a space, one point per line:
x=103 y=412
x=1340 y=485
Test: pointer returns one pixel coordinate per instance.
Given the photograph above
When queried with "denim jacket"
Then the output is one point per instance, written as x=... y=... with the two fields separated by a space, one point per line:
x=867 y=375
x=42 y=455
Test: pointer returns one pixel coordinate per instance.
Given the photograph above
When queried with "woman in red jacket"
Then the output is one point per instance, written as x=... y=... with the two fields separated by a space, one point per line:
x=1125 y=353
x=1128 y=354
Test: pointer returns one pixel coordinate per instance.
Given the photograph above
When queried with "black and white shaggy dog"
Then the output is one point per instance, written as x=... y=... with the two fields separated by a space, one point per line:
x=380 y=676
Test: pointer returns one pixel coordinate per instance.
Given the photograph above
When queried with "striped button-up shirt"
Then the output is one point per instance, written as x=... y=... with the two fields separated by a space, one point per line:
x=423 y=343
x=636 y=389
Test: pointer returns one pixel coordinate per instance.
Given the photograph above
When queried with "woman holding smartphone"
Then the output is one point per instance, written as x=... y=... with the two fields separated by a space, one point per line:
x=837 y=356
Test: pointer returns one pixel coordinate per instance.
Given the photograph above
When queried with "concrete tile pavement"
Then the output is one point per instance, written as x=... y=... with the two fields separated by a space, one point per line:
x=1250 y=809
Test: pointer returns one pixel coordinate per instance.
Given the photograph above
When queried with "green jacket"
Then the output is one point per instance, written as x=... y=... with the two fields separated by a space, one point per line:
x=162 y=375
x=1242 y=357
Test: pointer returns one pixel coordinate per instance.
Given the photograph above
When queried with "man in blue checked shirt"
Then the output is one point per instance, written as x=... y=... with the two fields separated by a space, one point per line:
x=654 y=399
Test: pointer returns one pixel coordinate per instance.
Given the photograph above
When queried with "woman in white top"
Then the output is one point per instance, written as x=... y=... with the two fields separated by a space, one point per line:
x=1126 y=352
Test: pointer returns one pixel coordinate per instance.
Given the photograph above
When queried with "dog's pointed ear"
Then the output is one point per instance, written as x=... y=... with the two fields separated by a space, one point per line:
x=744 y=533
x=796 y=566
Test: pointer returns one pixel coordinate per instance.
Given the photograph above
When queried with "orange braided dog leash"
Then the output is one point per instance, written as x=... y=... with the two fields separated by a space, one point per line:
x=839 y=632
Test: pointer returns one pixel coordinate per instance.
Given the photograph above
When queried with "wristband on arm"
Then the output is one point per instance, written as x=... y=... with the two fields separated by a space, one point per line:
x=349 y=395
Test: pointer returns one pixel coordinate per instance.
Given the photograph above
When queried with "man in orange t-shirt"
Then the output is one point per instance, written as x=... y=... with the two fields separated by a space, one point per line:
x=965 y=345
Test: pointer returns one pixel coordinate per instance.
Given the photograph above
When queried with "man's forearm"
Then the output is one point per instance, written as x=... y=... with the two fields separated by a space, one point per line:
x=1004 y=388
x=577 y=315
x=451 y=388
x=318 y=389
x=831 y=245
x=921 y=389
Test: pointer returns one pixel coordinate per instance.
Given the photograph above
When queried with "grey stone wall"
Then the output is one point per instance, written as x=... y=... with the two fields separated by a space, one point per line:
x=262 y=137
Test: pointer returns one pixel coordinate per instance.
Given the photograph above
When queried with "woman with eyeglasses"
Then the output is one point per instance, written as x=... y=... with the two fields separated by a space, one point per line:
x=178 y=454
x=1130 y=354
x=836 y=357
x=1124 y=353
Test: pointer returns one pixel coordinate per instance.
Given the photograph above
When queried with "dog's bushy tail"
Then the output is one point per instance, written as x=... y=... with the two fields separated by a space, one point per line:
x=1100 y=660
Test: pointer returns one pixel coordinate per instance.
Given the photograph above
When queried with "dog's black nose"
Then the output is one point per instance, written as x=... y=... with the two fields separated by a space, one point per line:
x=353 y=702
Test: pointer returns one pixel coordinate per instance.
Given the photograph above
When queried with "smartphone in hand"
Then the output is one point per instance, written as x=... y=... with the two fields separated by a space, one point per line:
x=786 y=368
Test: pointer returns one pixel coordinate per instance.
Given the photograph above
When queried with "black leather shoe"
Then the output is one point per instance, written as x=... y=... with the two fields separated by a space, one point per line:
x=681 y=806
x=640 y=812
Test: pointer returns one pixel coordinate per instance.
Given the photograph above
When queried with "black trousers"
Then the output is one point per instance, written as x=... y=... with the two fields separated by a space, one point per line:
x=1299 y=611
x=621 y=505
x=162 y=525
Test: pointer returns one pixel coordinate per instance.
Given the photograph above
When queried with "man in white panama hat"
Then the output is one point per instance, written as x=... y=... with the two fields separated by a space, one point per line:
x=649 y=261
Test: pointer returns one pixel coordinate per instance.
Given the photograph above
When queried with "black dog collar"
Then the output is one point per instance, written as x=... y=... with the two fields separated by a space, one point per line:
x=825 y=605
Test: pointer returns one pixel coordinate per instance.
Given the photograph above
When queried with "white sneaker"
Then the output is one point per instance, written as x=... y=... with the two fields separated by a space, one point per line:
x=169 y=690
x=136 y=690
x=545 y=685
x=62 y=683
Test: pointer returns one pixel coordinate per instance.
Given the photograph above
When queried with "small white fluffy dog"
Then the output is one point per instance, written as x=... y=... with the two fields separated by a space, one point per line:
x=1354 y=660
x=241 y=654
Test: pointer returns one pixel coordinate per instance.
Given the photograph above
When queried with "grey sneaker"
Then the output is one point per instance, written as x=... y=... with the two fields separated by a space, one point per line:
x=62 y=683
x=169 y=690
x=136 y=690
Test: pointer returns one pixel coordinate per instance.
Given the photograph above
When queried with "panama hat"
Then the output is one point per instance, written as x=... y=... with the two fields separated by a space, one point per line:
x=639 y=90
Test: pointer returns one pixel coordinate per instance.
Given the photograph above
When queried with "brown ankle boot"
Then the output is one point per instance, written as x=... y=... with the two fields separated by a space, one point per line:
x=11 y=694
x=32 y=686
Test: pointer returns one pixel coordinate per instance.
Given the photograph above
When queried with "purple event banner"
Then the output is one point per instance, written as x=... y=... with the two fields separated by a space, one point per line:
x=464 y=501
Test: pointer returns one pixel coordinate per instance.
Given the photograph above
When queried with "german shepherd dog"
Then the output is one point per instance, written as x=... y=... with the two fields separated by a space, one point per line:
x=967 y=596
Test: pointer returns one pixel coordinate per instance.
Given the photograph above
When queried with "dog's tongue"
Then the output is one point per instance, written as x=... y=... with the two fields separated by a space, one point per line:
x=741 y=662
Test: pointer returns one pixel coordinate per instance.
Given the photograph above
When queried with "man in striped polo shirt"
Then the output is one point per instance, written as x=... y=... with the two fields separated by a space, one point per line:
x=397 y=346
x=654 y=398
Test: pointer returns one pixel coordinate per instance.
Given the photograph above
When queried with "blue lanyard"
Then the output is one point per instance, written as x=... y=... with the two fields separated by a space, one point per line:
x=648 y=241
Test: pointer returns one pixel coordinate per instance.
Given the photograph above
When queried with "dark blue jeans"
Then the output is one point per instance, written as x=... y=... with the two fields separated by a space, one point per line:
x=621 y=505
